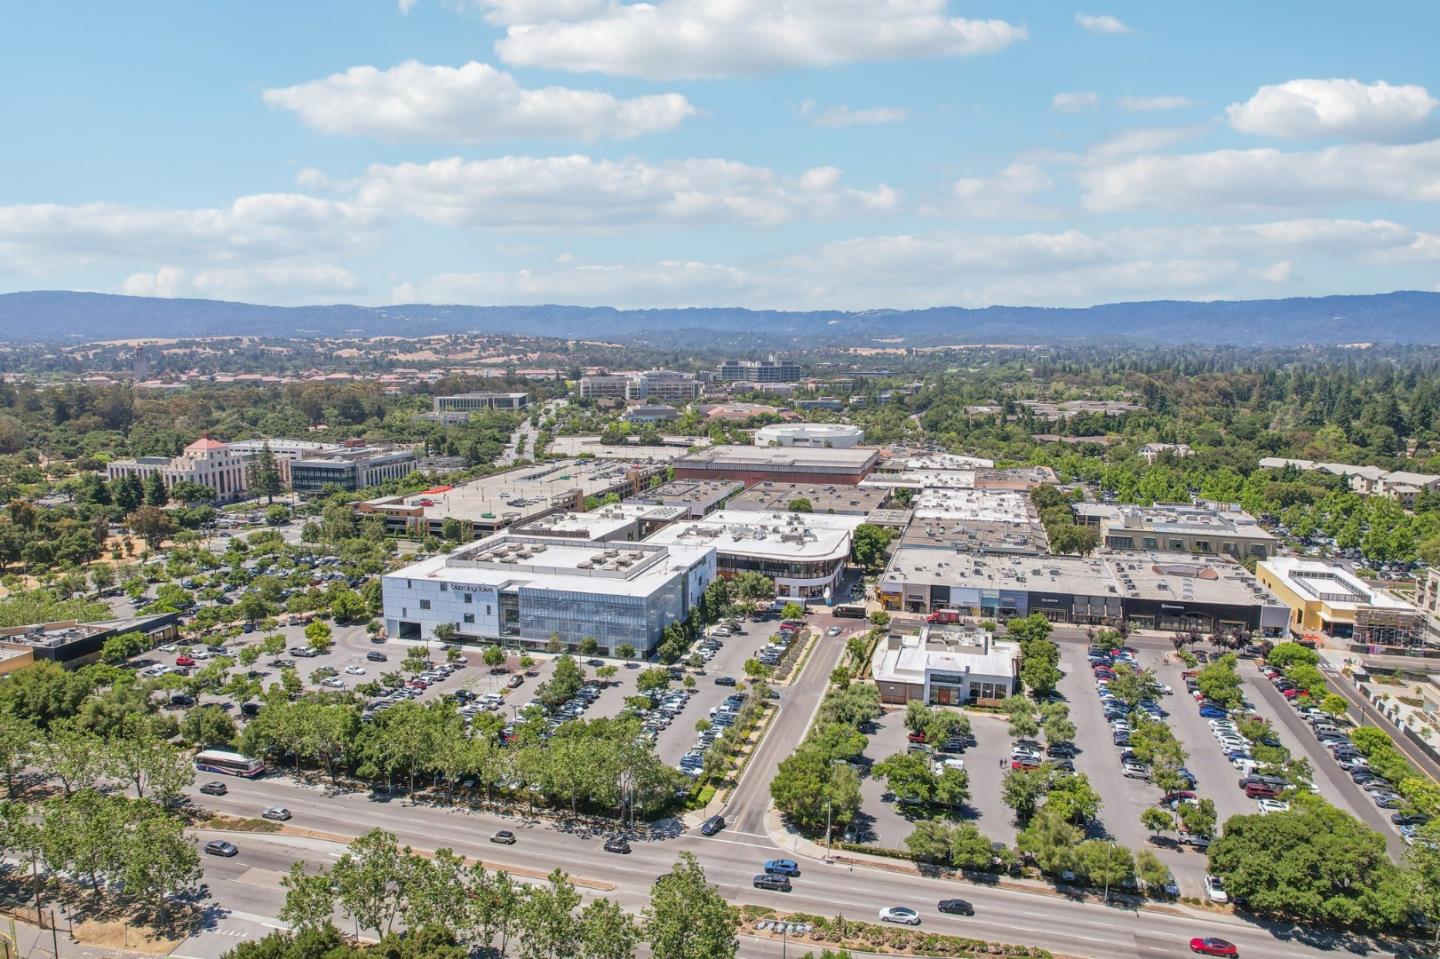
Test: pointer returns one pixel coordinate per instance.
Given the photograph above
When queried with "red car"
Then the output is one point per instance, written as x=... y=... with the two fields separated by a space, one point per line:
x=1211 y=946
x=1024 y=764
x=916 y=737
x=1289 y=693
x=184 y=661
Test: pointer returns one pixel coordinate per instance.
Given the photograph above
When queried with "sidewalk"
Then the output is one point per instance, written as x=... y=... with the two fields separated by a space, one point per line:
x=34 y=942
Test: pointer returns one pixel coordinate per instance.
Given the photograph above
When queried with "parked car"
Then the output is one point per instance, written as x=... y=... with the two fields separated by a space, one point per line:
x=1215 y=889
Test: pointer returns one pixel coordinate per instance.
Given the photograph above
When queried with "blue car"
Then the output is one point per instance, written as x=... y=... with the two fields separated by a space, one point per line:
x=782 y=867
x=1212 y=712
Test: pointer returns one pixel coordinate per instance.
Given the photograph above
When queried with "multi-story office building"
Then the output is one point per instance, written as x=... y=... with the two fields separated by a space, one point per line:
x=650 y=386
x=662 y=386
x=284 y=451
x=697 y=497
x=603 y=386
x=771 y=370
x=516 y=496
x=524 y=590
x=206 y=462
x=351 y=468
x=465 y=403
x=804 y=553
x=628 y=522
x=1326 y=600
x=1174 y=528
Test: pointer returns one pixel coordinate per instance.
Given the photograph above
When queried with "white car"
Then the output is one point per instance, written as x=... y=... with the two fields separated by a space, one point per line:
x=904 y=915
x=355 y=670
x=1268 y=806
x=1215 y=890
x=334 y=682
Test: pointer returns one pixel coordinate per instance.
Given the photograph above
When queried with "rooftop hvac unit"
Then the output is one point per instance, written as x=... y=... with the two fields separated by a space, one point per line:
x=539 y=548
x=584 y=564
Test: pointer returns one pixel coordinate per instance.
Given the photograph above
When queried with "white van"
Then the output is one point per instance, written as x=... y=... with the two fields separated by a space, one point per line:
x=1244 y=766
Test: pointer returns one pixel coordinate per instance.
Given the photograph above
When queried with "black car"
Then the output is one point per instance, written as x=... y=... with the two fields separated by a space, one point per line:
x=215 y=789
x=956 y=907
x=505 y=837
x=1401 y=819
x=375 y=656
x=712 y=825
x=953 y=746
x=182 y=699
x=773 y=881
x=619 y=844
x=219 y=847
x=250 y=709
x=724 y=680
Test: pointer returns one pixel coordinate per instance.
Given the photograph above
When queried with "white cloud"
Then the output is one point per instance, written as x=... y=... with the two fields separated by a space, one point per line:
x=1074 y=102
x=1252 y=179
x=263 y=284
x=1280 y=271
x=1007 y=193
x=406 y=5
x=843 y=116
x=579 y=192
x=467 y=104
x=669 y=39
x=1346 y=109
x=1101 y=23
x=259 y=227
x=1152 y=104
x=1140 y=140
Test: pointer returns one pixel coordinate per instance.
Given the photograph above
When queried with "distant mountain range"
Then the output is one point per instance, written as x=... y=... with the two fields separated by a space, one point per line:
x=1404 y=317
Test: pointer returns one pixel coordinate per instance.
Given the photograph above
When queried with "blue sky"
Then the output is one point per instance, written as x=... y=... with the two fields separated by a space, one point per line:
x=848 y=154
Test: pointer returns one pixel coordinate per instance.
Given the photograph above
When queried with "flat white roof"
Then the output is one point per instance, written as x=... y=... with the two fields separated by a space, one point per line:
x=1006 y=506
x=518 y=493
x=956 y=651
x=1336 y=587
x=921 y=479
x=508 y=560
x=599 y=523
x=799 y=536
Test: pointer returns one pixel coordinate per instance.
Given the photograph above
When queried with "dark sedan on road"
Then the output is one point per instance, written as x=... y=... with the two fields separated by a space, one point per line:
x=956 y=907
x=712 y=825
x=618 y=845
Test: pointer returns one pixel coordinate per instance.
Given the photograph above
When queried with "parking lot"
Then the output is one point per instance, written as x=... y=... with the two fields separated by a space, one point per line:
x=349 y=658
x=884 y=822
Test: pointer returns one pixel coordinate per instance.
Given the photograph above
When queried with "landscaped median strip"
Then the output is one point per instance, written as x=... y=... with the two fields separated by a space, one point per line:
x=874 y=937
x=522 y=872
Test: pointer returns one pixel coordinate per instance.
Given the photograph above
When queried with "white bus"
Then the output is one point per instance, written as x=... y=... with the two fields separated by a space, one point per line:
x=228 y=763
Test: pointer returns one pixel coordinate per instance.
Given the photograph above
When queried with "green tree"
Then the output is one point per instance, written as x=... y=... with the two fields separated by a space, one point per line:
x=1333 y=869
x=868 y=545
x=265 y=474
x=688 y=918
x=909 y=776
x=1220 y=682
x=1156 y=820
x=1022 y=790
x=549 y=928
x=309 y=899
x=368 y=880
x=1151 y=871
x=607 y=932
